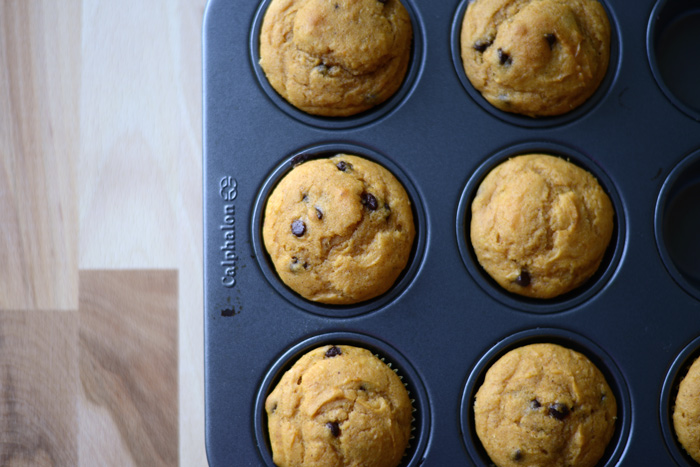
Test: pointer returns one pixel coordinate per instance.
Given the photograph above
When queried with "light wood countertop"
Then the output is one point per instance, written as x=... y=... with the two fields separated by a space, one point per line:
x=101 y=320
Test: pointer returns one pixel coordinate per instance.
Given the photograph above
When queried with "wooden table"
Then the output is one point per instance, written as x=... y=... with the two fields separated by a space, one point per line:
x=101 y=333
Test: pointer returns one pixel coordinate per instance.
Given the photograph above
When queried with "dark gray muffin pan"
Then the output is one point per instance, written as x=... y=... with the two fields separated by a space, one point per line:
x=445 y=321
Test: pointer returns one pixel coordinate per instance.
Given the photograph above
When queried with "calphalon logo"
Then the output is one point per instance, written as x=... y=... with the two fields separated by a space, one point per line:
x=229 y=259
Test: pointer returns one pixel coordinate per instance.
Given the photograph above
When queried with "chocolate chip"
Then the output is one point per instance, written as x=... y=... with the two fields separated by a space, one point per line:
x=482 y=44
x=343 y=166
x=322 y=69
x=333 y=352
x=334 y=427
x=319 y=214
x=551 y=39
x=504 y=58
x=524 y=279
x=298 y=228
x=535 y=404
x=298 y=159
x=297 y=266
x=369 y=201
x=517 y=455
x=558 y=411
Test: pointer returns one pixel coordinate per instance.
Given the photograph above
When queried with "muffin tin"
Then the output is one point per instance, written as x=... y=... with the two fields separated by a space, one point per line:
x=445 y=321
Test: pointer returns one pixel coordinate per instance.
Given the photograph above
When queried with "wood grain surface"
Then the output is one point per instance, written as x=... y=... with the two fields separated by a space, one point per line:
x=101 y=331
x=39 y=141
x=128 y=367
x=38 y=388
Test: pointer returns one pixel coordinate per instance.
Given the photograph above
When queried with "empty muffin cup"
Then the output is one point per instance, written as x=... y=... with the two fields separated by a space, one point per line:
x=677 y=222
x=673 y=38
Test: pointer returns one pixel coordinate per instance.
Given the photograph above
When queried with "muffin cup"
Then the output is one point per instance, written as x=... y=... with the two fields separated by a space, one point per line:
x=339 y=311
x=415 y=67
x=421 y=407
x=673 y=39
x=570 y=299
x=677 y=223
x=595 y=354
x=676 y=373
x=540 y=122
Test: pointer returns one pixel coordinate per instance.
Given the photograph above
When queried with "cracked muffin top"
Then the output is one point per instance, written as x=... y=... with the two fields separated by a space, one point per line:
x=335 y=57
x=540 y=225
x=339 y=230
x=339 y=406
x=535 y=57
x=545 y=405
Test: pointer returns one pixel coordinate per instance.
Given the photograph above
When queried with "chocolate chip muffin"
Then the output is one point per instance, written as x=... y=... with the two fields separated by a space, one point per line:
x=540 y=225
x=535 y=57
x=335 y=58
x=339 y=230
x=544 y=405
x=339 y=406
x=686 y=413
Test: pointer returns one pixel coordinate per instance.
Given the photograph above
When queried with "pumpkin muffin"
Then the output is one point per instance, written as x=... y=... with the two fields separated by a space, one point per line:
x=339 y=406
x=339 y=230
x=335 y=58
x=535 y=57
x=686 y=413
x=547 y=406
x=540 y=225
